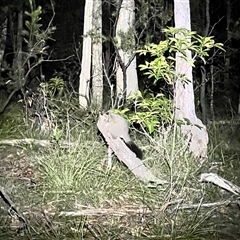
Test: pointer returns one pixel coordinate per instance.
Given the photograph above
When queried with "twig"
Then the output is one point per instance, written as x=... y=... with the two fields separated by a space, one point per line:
x=9 y=202
x=102 y=211
x=206 y=205
x=8 y=100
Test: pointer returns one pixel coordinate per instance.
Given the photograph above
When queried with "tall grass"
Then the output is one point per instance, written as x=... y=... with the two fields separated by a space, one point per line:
x=77 y=176
x=74 y=178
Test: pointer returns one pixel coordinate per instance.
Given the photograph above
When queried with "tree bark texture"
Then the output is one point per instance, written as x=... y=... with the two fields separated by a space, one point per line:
x=97 y=76
x=84 y=79
x=18 y=56
x=127 y=81
x=3 y=31
x=204 y=106
x=195 y=132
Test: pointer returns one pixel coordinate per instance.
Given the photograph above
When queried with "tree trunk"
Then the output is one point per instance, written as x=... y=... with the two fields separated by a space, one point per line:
x=18 y=55
x=3 y=31
x=127 y=80
x=197 y=137
x=212 y=93
x=229 y=43
x=203 y=70
x=84 y=79
x=97 y=76
x=203 y=95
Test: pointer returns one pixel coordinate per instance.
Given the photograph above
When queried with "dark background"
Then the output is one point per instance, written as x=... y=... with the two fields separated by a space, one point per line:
x=65 y=45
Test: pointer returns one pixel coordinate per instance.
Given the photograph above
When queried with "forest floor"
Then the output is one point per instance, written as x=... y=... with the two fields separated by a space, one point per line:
x=21 y=181
x=68 y=193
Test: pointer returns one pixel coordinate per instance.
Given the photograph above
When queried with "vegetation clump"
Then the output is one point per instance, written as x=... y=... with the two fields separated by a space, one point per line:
x=54 y=162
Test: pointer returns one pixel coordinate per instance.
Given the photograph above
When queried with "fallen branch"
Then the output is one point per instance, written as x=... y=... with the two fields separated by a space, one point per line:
x=27 y=141
x=205 y=205
x=9 y=202
x=125 y=155
x=221 y=182
x=134 y=209
x=105 y=211
x=38 y=142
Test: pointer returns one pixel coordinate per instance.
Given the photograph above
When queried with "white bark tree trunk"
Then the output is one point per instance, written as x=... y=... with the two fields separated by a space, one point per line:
x=84 y=78
x=125 y=23
x=197 y=138
x=97 y=76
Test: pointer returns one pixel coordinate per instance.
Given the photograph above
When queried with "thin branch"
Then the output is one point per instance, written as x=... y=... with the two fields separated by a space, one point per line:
x=221 y=182
x=12 y=207
x=215 y=25
x=206 y=205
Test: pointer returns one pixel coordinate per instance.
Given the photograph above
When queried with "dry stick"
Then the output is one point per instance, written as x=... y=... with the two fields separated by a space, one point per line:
x=28 y=141
x=206 y=205
x=41 y=142
x=221 y=182
x=105 y=211
x=90 y=211
x=9 y=202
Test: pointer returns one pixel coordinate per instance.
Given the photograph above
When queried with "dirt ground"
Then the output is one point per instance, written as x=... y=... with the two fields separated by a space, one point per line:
x=17 y=189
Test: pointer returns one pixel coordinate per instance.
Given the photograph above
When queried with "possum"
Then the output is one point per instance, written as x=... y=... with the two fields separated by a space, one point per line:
x=118 y=127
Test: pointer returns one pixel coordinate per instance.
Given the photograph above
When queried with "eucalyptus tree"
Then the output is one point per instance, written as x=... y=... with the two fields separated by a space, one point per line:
x=85 y=75
x=124 y=42
x=97 y=76
x=126 y=76
x=194 y=129
x=91 y=64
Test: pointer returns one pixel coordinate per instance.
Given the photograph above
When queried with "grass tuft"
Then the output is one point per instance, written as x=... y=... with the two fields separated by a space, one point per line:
x=73 y=178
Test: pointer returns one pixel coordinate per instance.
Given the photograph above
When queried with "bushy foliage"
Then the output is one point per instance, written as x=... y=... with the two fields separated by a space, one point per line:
x=162 y=67
x=35 y=37
x=151 y=110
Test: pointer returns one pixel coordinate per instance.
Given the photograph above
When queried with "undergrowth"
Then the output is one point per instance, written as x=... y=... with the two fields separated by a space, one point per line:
x=75 y=196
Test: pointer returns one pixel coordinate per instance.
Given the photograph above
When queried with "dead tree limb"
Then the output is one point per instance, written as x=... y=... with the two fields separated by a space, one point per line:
x=12 y=207
x=221 y=182
x=125 y=155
